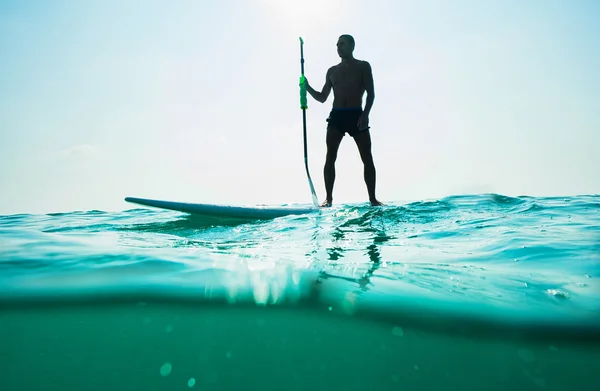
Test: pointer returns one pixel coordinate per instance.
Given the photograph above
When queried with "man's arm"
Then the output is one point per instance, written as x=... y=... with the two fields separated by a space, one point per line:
x=324 y=94
x=369 y=87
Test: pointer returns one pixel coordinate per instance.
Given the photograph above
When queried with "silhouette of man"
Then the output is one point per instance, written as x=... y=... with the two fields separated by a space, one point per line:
x=349 y=79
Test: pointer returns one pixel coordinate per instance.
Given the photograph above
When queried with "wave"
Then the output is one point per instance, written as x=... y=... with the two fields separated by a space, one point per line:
x=533 y=253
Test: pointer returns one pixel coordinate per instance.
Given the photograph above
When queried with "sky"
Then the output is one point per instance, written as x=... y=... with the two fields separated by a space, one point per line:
x=198 y=101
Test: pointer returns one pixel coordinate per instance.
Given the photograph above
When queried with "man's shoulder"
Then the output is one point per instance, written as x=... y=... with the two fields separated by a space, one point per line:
x=364 y=64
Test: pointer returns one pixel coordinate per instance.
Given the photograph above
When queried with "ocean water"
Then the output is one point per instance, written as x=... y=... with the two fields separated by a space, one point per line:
x=477 y=292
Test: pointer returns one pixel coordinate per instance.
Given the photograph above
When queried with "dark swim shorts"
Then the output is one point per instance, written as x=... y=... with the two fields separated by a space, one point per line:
x=346 y=120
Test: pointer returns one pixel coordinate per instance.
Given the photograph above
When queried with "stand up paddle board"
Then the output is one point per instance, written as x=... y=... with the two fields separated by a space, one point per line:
x=244 y=212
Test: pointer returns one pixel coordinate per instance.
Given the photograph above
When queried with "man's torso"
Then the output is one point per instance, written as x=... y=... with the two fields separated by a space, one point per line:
x=347 y=83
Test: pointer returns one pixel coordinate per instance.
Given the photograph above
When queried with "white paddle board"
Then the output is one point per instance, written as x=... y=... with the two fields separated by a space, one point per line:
x=245 y=212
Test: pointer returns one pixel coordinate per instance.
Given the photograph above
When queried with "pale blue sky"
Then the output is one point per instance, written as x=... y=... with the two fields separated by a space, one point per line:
x=198 y=100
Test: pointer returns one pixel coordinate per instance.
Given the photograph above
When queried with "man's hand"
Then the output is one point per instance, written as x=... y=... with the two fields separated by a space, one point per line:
x=363 y=121
x=320 y=96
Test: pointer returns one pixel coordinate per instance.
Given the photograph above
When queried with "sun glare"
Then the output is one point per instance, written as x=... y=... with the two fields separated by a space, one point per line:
x=305 y=15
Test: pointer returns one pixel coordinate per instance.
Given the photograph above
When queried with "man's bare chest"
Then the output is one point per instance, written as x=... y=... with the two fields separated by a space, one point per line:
x=346 y=76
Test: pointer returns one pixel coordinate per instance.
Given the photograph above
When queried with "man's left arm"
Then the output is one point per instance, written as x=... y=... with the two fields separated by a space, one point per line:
x=363 y=121
x=369 y=87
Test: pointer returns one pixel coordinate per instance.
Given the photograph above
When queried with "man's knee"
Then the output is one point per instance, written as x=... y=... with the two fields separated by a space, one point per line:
x=330 y=159
x=332 y=153
x=366 y=157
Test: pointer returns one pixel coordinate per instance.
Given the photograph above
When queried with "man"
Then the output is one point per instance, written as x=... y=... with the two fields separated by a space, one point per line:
x=350 y=79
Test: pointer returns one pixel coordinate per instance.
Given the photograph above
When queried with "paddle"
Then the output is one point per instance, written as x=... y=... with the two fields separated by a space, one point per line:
x=304 y=106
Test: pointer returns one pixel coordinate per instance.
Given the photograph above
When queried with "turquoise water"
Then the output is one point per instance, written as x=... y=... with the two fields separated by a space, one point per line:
x=466 y=292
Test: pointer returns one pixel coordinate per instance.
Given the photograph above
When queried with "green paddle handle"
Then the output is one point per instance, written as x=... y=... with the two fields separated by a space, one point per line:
x=303 y=100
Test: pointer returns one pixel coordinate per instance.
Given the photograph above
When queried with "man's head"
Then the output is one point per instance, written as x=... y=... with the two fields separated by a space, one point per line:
x=345 y=46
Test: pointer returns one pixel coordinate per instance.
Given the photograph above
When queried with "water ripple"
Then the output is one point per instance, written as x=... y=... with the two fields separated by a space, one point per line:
x=534 y=252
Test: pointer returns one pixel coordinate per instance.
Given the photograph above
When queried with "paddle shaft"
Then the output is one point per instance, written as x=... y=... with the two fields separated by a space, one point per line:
x=304 y=109
x=304 y=106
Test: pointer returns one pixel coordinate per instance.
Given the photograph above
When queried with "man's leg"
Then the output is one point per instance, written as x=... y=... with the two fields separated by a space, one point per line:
x=363 y=142
x=334 y=138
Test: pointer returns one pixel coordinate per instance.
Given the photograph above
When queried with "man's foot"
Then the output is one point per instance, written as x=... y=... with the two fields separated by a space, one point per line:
x=326 y=204
x=374 y=202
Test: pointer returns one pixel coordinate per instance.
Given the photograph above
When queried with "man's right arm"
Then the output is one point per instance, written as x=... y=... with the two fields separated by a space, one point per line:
x=324 y=94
